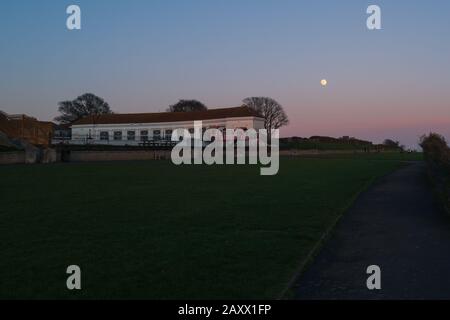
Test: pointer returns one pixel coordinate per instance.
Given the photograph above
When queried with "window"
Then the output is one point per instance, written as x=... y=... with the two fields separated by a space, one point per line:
x=117 y=135
x=157 y=135
x=104 y=135
x=131 y=135
x=168 y=134
x=144 y=135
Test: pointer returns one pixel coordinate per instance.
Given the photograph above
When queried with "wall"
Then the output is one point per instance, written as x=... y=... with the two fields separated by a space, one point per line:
x=322 y=152
x=30 y=156
x=51 y=156
x=26 y=128
x=15 y=157
x=253 y=123
x=93 y=156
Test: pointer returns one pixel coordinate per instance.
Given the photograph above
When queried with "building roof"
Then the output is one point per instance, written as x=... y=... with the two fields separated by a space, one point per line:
x=123 y=118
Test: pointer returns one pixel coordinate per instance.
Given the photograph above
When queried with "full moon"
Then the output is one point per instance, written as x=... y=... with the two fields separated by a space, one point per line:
x=324 y=82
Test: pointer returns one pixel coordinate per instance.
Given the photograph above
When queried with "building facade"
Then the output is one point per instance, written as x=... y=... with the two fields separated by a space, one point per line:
x=143 y=128
x=26 y=128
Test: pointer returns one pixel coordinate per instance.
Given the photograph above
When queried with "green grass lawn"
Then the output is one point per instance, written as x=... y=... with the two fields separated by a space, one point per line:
x=156 y=231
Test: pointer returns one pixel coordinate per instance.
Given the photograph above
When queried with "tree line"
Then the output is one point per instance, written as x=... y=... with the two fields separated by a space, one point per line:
x=89 y=104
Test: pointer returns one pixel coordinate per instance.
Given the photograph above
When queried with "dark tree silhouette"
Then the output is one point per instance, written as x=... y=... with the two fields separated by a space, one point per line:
x=187 y=106
x=394 y=144
x=435 y=149
x=391 y=143
x=84 y=105
x=272 y=112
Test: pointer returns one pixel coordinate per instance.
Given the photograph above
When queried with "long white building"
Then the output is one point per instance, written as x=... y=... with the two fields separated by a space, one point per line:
x=136 y=129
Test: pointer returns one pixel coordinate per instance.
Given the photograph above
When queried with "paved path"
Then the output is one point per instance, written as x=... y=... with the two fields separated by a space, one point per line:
x=396 y=224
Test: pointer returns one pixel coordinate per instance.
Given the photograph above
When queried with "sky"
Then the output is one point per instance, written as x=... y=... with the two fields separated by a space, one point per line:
x=143 y=55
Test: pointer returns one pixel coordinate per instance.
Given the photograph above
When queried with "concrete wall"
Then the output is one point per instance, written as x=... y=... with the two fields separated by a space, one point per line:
x=51 y=156
x=93 y=156
x=29 y=156
x=294 y=153
x=15 y=157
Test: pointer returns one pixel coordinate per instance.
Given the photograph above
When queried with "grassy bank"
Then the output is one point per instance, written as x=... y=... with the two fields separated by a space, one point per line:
x=153 y=230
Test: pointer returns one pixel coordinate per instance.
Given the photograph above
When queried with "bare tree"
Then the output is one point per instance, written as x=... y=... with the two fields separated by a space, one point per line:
x=272 y=112
x=187 y=106
x=84 y=105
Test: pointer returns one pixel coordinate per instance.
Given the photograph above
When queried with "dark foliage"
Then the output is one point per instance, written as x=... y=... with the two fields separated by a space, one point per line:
x=435 y=149
x=187 y=106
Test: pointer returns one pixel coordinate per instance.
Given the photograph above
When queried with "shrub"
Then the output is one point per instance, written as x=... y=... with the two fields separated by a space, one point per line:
x=437 y=154
x=435 y=149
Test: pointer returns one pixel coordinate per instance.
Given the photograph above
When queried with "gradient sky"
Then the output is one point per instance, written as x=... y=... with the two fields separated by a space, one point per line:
x=142 y=55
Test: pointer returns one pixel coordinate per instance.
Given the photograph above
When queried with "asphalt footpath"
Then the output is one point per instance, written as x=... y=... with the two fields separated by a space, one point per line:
x=397 y=225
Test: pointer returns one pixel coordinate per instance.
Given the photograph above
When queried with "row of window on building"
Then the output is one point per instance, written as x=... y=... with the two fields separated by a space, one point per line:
x=144 y=134
x=131 y=135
